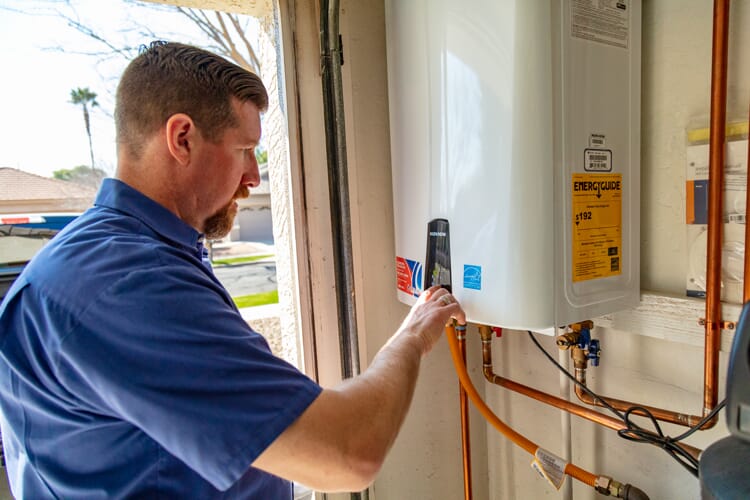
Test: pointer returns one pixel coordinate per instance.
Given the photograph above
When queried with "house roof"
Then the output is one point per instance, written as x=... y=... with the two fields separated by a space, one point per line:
x=26 y=192
x=17 y=185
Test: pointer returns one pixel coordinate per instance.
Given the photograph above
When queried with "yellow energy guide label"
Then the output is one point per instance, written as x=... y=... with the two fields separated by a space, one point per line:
x=597 y=226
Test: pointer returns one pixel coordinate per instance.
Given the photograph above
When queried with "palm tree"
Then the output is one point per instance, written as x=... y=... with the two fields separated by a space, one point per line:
x=85 y=98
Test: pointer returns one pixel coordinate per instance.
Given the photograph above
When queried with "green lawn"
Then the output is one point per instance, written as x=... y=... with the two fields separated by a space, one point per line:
x=239 y=260
x=257 y=299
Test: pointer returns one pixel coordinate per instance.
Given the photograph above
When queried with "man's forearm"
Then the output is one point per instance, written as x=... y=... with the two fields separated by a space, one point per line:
x=383 y=392
x=340 y=442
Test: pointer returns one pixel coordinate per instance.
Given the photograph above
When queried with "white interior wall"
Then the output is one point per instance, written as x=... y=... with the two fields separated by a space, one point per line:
x=661 y=372
x=676 y=96
x=634 y=367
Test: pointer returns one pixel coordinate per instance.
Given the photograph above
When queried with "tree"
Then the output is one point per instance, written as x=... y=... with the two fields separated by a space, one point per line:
x=221 y=32
x=85 y=98
x=81 y=174
x=261 y=154
x=223 y=38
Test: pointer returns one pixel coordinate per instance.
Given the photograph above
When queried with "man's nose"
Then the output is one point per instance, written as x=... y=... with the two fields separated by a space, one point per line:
x=252 y=173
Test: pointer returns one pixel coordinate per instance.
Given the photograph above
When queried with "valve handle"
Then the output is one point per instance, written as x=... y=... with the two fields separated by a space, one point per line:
x=594 y=352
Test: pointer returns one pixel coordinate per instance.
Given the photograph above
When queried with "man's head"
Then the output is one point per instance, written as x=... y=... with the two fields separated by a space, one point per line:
x=168 y=78
x=188 y=123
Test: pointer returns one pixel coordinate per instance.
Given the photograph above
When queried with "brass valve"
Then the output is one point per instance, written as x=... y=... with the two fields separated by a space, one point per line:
x=577 y=327
x=567 y=340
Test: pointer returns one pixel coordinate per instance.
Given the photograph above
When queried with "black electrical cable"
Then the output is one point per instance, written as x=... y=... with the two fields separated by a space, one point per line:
x=571 y=377
x=633 y=432
x=636 y=433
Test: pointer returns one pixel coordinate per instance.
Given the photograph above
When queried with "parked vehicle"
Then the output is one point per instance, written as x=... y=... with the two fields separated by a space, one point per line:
x=55 y=221
x=21 y=237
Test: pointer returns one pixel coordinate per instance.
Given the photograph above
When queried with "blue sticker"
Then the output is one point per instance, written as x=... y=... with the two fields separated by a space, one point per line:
x=409 y=276
x=416 y=277
x=473 y=277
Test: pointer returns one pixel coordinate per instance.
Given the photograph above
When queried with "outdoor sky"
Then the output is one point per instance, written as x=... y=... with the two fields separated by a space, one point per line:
x=40 y=129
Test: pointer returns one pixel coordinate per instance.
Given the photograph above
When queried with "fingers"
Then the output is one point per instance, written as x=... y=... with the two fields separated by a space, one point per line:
x=447 y=302
x=434 y=293
x=427 y=294
x=446 y=299
x=457 y=312
x=428 y=317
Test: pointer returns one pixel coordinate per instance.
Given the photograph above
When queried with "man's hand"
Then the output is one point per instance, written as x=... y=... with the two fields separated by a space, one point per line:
x=427 y=318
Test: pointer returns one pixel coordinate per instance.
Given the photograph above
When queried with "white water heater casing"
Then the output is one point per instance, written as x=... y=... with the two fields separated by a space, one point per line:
x=518 y=122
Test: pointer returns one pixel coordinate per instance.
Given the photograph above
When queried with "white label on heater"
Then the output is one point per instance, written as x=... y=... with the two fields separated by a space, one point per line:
x=597 y=140
x=597 y=160
x=602 y=21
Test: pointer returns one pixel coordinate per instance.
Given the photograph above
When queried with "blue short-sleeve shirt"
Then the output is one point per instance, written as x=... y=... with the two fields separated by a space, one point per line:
x=127 y=371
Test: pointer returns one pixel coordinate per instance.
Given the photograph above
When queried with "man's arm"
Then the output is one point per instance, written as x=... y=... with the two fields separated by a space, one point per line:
x=340 y=442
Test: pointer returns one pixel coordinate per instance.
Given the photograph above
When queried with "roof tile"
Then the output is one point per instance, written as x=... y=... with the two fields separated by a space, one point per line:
x=19 y=185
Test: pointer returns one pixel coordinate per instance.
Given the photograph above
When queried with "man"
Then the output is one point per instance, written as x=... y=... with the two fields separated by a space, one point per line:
x=125 y=368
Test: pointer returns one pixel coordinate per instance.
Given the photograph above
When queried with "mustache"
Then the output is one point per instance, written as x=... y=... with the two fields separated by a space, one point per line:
x=242 y=192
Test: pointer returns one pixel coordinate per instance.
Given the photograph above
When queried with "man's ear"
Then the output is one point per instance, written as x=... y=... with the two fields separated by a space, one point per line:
x=181 y=135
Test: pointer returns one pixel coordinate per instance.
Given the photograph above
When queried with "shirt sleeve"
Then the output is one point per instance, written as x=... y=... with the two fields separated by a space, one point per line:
x=168 y=352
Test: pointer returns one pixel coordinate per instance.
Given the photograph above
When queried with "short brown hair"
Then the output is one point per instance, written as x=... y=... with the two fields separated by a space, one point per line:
x=168 y=78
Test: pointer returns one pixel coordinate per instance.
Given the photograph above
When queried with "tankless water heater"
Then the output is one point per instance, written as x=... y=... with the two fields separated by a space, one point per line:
x=517 y=122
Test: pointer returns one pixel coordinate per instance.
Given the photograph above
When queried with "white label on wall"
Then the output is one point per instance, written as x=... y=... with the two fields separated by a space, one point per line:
x=603 y=21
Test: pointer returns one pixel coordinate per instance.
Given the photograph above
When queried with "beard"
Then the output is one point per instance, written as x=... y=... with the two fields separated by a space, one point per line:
x=220 y=223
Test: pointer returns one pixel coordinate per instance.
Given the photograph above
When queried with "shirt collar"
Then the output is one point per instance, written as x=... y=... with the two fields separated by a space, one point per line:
x=117 y=195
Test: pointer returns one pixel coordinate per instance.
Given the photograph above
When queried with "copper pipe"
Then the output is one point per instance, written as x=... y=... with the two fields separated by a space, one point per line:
x=551 y=400
x=540 y=396
x=465 y=437
x=618 y=404
x=715 y=206
x=562 y=404
x=674 y=417
x=520 y=440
